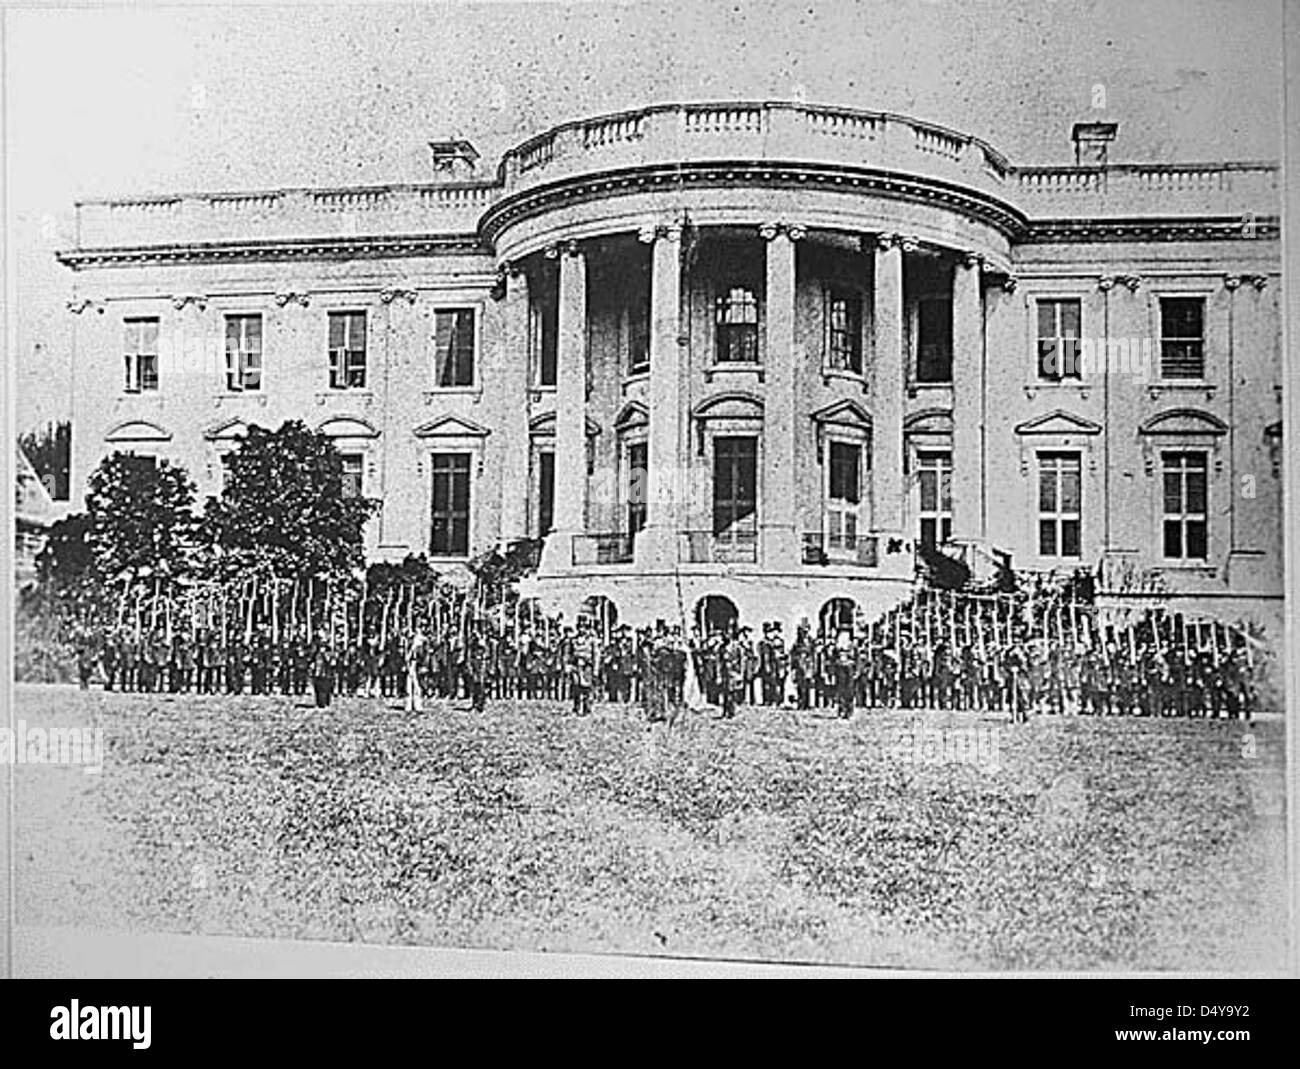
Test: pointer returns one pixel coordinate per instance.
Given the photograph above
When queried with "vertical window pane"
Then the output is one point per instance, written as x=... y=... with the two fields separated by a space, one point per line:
x=1069 y=538
x=1196 y=540
x=1047 y=538
x=1173 y=538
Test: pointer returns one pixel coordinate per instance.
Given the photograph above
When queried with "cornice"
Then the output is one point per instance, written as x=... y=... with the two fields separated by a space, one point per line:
x=1150 y=229
x=328 y=248
x=580 y=189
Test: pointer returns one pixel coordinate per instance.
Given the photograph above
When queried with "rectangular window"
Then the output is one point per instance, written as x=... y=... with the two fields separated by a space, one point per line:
x=453 y=346
x=844 y=495
x=1186 y=510
x=736 y=326
x=934 y=339
x=1060 y=507
x=638 y=466
x=638 y=335
x=450 y=532
x=1182 y=338
x=545 y=493
x=934 y=477
x=243 y=352
x=140 y=346
x=844 y=323
x=347 y=350
x=546 y=328
x=1058 y=339
x=352 y=474
x=735 y=486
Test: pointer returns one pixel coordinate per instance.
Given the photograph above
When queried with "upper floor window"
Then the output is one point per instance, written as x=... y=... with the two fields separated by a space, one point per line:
x=1059 y=504
x=1058 y=339
x=347 y=350
x=546 y=329
x=934 y=339
x=453 y=344
x=140 y=346
x=736 y=320
x=844 y=328
x=1185 y=508
x=1182 y=337
x=638 y=337
x=243 y=352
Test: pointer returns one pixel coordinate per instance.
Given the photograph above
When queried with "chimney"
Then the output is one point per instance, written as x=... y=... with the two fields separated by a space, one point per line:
x=1090 y=142
x=453 y=159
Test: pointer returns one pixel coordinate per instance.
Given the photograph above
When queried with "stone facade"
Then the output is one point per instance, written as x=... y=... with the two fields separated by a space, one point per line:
x=754 y=351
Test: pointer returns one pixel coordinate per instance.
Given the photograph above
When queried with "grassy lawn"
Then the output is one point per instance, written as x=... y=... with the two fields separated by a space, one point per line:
x=778 y=836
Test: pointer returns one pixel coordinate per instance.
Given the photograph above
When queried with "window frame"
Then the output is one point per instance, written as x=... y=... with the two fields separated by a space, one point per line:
x=923 y=299
x=340 y=370
x=1201 y=298
x=940 y=516
x=1043 y=378
x=475 y=346
x=725 y=332
x=242 y=367
x=137 y=359
x=834 y=293
x=1184 y=517
x=1056 y=461
x=451 y=514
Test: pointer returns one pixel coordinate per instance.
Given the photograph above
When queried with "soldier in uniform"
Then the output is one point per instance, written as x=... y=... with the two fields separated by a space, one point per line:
x=842 y=657
x=110 y=659
x=85 y=645
x=803 y=665
x=732 y=663
x=583 y=653
x=475 y=666
x=323 y=663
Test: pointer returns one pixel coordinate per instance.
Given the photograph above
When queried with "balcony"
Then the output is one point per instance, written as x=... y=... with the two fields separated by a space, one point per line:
x=728 y=547
x=859 y=550
x=604 y=548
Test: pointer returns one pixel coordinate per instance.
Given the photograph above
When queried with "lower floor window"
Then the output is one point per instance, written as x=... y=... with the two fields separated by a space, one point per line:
x=351 y=474
x=1059 y=504
x=450 y=535
x=1185 y=506
x=934 y=475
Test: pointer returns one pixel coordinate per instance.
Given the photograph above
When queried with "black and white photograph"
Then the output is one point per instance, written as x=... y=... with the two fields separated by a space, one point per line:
x=655 y=488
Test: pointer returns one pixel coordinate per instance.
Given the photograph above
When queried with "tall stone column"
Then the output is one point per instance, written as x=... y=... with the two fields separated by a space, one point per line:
x=967 y=386
x=570 y=410
x=513 y=402
x=657 y=546
x=887 y=385
x=780 y=539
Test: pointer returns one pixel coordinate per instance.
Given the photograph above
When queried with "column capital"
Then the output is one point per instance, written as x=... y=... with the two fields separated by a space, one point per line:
x=1009 y=283
x=881 y=242
x=907 y=242
x=1131 y=282
x=292 y=297
x=771 y=231
x=393 y=293
x=971 y=258
x=1231 y=282
x=198 y=300
x=1258 y=281
x=78 y=306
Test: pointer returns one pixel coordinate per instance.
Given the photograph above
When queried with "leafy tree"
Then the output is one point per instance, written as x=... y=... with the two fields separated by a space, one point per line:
x=282 y=509
x=50 y=450
x=67 y=558
x=142 y=518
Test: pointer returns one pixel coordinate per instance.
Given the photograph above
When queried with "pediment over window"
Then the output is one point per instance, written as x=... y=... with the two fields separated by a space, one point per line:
x=733 y=405
x=138 y=431
x=1058 y=422
x=228 y=430
x=633 y=415
x=348 y=427
x=844 y=414
x=1184 y=421
x=543 y=426
x=929 y=421
x=451 y=427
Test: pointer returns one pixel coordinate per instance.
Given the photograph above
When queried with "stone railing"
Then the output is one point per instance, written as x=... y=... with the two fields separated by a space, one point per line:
x=284 y=214
x=1126 y=189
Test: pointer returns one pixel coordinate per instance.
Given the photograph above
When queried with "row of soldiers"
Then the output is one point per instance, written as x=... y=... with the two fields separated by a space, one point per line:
x=845 y=668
